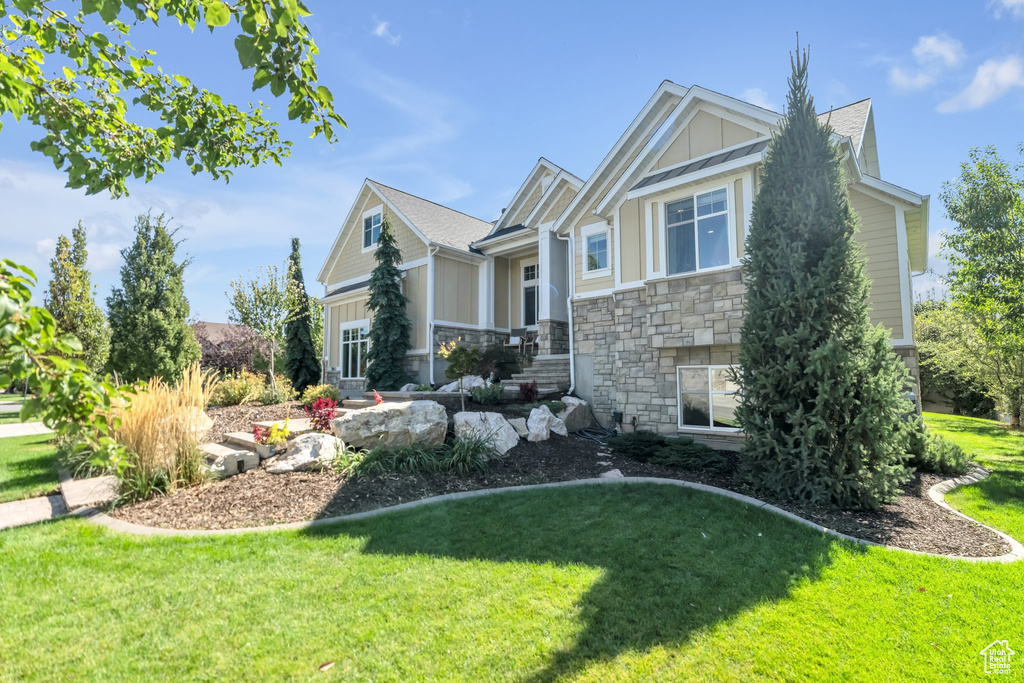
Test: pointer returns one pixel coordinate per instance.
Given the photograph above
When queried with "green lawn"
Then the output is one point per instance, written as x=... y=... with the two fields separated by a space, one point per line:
x=9 y=397
x=28 y=467
x=9 y=418
x=588 y=583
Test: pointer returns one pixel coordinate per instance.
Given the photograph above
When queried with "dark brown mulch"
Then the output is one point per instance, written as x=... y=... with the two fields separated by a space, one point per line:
x=240 y=418
x=255 y=498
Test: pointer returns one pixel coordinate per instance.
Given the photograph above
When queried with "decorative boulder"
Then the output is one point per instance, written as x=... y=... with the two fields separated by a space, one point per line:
x=411 y=386
x=576 y=414
x=491 y=426
x=469 y=382
x=393 y=424
x=312 y=451
x=542 y=422
x=519 y=424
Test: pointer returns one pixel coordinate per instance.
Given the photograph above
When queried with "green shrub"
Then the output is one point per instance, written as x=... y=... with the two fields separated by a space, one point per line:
x=526 y=408
x=640 y=445
x=281 y=394
x=500 y=361
x=467 y=453
x=487 y=396
x=682 y=453
x=242 y=388
x=941 y=456
x=463 y=455
x=312 y=393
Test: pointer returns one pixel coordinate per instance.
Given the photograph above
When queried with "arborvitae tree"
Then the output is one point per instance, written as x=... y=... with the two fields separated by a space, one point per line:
x=822 y=391
x=301 y=365
x=71 y=299
x=149 y=312
x=390 y=329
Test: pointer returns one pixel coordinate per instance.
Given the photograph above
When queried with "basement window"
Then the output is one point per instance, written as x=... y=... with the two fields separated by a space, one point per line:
x=708 y=397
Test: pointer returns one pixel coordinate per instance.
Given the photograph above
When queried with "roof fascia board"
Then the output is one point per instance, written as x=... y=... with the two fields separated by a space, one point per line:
x=520 y=195
x=332 y=257
x=667 y=88
x=890 y=192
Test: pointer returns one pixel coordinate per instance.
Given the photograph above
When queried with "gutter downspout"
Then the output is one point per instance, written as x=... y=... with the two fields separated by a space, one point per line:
x=430 y=309
x=324 y=359
x=571 y=272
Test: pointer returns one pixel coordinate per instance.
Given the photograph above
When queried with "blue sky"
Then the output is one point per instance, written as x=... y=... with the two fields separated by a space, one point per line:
x=455 y=102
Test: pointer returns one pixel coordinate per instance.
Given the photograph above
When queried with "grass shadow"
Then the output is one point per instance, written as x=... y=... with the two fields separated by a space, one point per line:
x=675 y=561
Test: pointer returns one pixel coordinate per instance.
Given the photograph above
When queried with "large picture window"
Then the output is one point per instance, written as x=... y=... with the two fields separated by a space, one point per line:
x=355 y=344
x=698 y=232
x=371 y=230
x=530 y=295
x=708 y=397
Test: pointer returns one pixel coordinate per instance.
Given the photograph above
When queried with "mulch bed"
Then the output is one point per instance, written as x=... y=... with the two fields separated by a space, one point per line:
x=257 y=498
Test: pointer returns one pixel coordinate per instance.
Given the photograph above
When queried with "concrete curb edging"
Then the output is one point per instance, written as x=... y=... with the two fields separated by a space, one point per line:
x=936 y=493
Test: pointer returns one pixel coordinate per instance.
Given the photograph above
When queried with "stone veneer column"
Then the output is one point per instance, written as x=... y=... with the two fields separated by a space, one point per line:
x=552 y=337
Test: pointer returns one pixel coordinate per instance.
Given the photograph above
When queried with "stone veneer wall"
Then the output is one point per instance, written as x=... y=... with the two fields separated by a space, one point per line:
x=552 y=337
x=636 y=338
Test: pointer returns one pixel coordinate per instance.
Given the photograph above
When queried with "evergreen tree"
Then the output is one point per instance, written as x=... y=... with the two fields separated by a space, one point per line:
x=822 y=403
x=301 y=365
x=390 y=329
x=149 y=313
x=71 y=299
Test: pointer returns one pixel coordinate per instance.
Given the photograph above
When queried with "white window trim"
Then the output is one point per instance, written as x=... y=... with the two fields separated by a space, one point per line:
x=535 y=282
x=362 y=227
x=711 y=405
x=730 y=215
x=348 y=325
x=586 y=232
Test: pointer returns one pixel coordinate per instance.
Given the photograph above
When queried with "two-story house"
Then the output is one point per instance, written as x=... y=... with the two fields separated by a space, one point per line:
x=631 y=279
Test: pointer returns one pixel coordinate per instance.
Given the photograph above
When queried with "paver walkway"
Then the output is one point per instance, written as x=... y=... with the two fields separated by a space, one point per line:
x=24 y=429
x=31 y=511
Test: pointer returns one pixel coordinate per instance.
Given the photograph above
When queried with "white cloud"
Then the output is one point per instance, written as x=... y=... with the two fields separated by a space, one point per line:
x=904 y=80
x=933 y=55
x=1015 y=8
x=938 y=48
x=993 y=79
x=382 y=30
x=759 y=98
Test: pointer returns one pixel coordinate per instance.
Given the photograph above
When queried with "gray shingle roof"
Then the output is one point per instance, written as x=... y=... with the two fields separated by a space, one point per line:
x=848 y=121
x=439 y=224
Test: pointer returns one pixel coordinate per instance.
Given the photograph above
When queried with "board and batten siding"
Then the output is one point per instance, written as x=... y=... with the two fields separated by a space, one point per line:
x=339 y=314
x=456 y=291
x=352 y=262
x=415 y=289
x=878 y=235
x=502 y=279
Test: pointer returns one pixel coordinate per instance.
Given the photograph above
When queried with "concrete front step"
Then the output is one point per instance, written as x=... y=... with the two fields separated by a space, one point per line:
x=357 y=403
x=243 y=439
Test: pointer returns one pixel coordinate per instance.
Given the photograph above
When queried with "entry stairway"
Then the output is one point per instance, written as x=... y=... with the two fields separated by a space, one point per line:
x=551 y=373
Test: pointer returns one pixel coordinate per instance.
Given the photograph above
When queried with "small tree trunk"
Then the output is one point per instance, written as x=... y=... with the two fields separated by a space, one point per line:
x=273 y=353
x=462 y=394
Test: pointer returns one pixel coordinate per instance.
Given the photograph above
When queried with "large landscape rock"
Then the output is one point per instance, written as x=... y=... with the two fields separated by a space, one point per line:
x=393 y=424
x=313 y=451
x=469 y=382
x=542 y=423
x=519 y=424
x=576 y=415
x=491 y=426
x=411 y=386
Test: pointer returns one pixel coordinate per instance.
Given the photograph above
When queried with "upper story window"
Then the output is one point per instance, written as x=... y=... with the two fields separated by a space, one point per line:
x=371 y=228
x=698 y=232
x=597 y=251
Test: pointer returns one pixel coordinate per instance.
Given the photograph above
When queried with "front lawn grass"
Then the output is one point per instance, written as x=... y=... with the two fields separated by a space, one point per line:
x=999 y=499
x=10 y=418
x=593 y=583
x=28 y=467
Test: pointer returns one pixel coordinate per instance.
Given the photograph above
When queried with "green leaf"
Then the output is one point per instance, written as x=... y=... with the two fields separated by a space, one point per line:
x=248 y=55
x=217 y=13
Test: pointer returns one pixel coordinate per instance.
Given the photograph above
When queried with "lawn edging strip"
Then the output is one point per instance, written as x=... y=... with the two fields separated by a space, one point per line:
x=936 y=493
